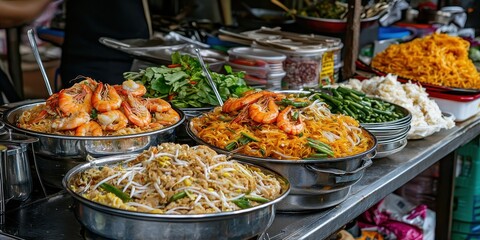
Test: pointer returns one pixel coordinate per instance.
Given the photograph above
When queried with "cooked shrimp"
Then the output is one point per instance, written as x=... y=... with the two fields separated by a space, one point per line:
x=133 y=88
x=136 y=112
x=234 y=104
x=258 y=114
x=75 y=99
x=105 y=98
x=90 y=128
x=92 y=84
x=168 y=117
x=71 y=122
x=51 y=105
x=38 y=117
x=112 y=120
x=284 y=123
x=157 y=105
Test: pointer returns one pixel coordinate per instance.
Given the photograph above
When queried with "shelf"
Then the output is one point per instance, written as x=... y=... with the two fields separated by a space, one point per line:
x=53 y=217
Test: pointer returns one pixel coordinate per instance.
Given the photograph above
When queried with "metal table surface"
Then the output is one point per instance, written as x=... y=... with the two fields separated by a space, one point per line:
x=53 y=218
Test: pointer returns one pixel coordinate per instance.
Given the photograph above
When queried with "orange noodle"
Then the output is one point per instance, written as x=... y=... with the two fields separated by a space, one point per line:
x=307 y=122
x=437 y=59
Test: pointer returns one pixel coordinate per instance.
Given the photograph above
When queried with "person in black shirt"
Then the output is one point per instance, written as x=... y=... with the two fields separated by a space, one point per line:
x=86 y=22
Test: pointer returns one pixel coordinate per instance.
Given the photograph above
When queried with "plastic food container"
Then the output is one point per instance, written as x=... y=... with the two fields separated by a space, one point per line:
x=461 y=106
x=255 y=56
x=302 y=68
x=263 y=68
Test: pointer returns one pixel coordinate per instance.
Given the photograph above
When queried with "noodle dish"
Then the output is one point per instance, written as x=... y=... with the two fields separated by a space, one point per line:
x=176 y=179
x=273 y=125
x=91 y=108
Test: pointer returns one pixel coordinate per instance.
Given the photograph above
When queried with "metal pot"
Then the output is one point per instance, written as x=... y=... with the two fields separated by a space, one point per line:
x=56 y=154
x=300 y=202
x=310 y=178
x=121 y=224
x=326 y=25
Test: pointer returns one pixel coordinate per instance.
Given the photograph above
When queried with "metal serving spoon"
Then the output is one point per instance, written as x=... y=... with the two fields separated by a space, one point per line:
x=210 y=80
x=36 y=54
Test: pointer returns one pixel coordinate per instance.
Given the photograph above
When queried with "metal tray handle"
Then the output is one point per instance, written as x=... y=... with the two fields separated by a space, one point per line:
x=366 y=162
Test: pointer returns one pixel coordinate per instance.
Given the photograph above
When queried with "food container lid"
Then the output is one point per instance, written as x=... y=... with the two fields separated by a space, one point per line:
x=248 y=68
x=464 y=97
x=277 y=75
x=294 y=49
x=256 y=53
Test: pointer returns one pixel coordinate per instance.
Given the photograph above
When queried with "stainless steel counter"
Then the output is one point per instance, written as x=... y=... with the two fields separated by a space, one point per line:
x=53 y=218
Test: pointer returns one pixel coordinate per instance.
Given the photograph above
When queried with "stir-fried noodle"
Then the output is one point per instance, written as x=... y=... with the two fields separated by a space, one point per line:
x=178 y=179
x=297 y=131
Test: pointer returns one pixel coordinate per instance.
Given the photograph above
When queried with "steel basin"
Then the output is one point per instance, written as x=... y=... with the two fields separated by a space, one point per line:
x=56 y=154
x=121 y=224
x=310 y=178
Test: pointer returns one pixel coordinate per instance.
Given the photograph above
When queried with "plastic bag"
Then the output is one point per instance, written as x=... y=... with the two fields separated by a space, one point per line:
x=396 y=218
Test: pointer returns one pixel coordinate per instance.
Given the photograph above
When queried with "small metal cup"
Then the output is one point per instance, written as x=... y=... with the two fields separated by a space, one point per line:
x=15 y=172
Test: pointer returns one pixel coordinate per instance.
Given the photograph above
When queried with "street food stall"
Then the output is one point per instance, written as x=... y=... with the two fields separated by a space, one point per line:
x=265 y=140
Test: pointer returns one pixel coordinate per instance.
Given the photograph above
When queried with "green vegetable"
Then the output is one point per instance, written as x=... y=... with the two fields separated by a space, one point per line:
x=119 y=193
x=242 y=203
x=257 y=198
x=177 y=196
x=94 y=113
x=320 y=146
x=474 y=54
x=286 y=102
x=357 y=105
x=186 y=85
x=250 y=136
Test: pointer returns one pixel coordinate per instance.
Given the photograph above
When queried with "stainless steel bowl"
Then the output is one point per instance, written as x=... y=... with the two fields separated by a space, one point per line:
x=310 y=178
x=56 y=154
x=122 y=224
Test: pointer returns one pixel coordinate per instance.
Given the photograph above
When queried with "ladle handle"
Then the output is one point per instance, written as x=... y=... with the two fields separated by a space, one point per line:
x=209 y=77
x=36 y=54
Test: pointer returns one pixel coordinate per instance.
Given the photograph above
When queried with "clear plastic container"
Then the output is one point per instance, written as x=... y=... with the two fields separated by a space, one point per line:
x=254 y=56
x=261 y=72
x=303 y=69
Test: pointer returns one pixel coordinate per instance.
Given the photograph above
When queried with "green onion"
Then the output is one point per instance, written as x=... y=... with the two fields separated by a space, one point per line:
x=119 y=193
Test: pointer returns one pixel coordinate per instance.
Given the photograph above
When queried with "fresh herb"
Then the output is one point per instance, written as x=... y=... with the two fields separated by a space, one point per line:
x=94 y=113
x=184 y=83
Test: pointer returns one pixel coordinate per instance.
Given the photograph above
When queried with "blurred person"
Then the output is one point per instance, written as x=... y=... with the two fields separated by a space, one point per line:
x=88 y=20
x=16 y=13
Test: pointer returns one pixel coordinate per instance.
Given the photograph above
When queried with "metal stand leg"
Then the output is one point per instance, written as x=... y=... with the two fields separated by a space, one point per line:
x=3 y=199
x=446 y=186
x=36 y=170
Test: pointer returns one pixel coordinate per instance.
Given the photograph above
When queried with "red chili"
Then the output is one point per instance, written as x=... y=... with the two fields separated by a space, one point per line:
x=193 y=82
x=171 y=97
x=174 y=65
x=244 y=62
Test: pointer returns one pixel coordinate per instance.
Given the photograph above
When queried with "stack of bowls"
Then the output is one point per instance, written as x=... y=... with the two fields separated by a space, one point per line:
x=263 y=68
x=391 y=136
